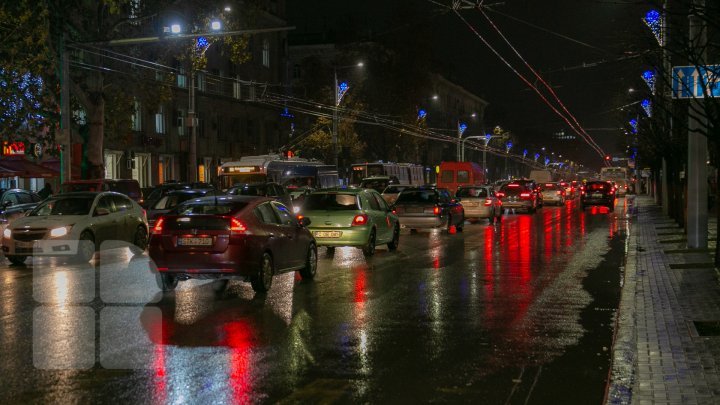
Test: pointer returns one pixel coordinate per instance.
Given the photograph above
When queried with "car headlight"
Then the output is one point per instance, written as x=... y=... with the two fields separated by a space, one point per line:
x=58 y=232
x=7 y=233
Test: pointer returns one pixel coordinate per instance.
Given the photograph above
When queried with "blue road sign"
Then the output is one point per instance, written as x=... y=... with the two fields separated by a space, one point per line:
x=696 y=81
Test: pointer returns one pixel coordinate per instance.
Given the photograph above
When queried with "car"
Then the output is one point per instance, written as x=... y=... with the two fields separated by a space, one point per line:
x=480 y=202
x=14 y=203
x=173 y=198
x=519 y=196
x=250 y=238
x=429 y=208
x=570 y=192
x=75 y=224
x=129 y=187
x=351 y=217
x=391 y=192
x=552 y=193
x=598 y=193
x=378 y=183
x=161 y=190
x=269 y=189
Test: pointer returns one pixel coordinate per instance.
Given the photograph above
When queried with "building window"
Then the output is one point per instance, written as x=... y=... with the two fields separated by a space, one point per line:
x=136 y=118
x=266 y=53
x=181 y=78
x=166 y=168
x=200 y=81
x=180 y=123
x=134 y=12
x=141 y=169
x=160 y=121
x=112 y=164
x=237 y=88
x=200 y=131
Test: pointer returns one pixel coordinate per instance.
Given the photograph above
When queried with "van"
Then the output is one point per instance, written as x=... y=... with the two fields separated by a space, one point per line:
x=541 y=176
x=455 y=174
x=129 y=187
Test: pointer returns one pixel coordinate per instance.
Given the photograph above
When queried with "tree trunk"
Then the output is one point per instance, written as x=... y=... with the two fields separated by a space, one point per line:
x=94 y=147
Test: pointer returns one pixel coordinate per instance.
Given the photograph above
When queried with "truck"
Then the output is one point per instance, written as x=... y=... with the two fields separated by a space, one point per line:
x=455 y=174
x=541 y=176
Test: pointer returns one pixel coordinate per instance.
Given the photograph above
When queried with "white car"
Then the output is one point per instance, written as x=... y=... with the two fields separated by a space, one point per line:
x=76 y=225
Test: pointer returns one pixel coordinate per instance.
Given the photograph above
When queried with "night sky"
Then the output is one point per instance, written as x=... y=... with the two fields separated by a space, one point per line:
x=591 y=52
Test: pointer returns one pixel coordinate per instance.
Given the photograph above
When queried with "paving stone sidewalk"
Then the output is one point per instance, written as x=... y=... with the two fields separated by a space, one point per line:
x=667 y=348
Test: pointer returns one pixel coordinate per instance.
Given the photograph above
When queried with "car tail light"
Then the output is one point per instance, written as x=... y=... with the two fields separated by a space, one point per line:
x=525 y=195
x=144 y=213
x=236 y=226
x=360 y=219
x=159 y=225
x=500 y=195
x=436 y=210
x=488 y=202
x=559 y=192
x=394 y=211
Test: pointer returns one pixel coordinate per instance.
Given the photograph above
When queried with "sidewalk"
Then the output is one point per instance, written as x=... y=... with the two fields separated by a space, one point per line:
x=667 y=348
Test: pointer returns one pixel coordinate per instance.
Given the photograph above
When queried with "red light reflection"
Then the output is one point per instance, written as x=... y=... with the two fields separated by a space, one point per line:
x=239 y=338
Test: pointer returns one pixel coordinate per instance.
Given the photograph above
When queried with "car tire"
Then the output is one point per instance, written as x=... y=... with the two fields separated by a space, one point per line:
x=262 y=281
x=140 y=240
x=310 y=270
x=166 y=282
x=369 y=248
x=86 y=247
x=219 y=286
x=459 y=226
x=395 y=242
x=17 y=260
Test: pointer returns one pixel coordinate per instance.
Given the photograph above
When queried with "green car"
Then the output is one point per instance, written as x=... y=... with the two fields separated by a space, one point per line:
x=351 y=217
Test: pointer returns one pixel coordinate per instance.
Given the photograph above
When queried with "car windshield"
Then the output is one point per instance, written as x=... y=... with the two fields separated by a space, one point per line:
x=393 y=189
x=417 y=196
x=376 y=184
x=472 y=192
x=208 y=207
x=249 y=190
x=331 y=202
x=64 y=206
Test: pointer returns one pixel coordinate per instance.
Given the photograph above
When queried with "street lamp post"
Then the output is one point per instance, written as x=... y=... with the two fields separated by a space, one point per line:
x=339 y=89
x=461 y=127
x=508 y=145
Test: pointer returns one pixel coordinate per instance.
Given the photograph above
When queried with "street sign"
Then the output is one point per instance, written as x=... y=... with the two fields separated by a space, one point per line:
x=696 y=81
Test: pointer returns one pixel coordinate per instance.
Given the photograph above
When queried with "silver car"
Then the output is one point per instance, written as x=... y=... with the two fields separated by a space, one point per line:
x=552 y=193
x=76 y=225
x=480 y=202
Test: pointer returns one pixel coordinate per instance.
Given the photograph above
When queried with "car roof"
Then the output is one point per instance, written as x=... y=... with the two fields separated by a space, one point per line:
x=189 y=191
x=349 y=190
x=230 y=198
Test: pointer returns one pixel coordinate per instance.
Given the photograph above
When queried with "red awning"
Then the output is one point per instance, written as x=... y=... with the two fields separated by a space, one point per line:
x=54 y=165
x=4 y=173
x=25 y=168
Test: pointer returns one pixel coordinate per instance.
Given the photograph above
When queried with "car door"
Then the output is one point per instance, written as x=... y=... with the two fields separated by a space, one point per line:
x=453 y=208
x=127 y=220
x=372 y=209
x=297 y=240
x=273 y=236
x=385 y=222
x=104 y=226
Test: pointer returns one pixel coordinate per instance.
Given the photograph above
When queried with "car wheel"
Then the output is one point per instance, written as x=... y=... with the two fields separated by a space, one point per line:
x=166 y=282
x=308 y=272
x=395 y=242
x=86 y=247
x=459 y=226
x=17 y=260
x=262 y=281
x=220 y=285
x=369 y=248
x=140 y=240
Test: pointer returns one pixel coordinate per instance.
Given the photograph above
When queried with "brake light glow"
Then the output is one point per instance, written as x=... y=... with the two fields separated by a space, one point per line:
x=524 y=195
x=436 y=210
x=559 y=192
x=236 y=226
x=159 y=225
x=360 y=219
x=488 y=202
x=500 y=195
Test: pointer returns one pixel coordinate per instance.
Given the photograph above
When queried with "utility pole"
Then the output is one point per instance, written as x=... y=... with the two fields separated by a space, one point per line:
x=697 y=189
x=66 y=132
x=192 y=152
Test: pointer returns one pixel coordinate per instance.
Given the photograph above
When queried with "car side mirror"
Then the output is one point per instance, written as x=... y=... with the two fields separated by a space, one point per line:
x=304 y=221
x=101 y=212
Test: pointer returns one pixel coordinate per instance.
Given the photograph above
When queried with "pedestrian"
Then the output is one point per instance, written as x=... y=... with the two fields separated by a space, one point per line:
x=46 y=192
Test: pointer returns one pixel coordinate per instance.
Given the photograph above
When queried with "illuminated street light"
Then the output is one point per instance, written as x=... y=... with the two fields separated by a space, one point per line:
x=339 y=90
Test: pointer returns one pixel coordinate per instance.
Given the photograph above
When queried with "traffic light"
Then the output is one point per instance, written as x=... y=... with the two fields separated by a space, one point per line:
x=607 y=157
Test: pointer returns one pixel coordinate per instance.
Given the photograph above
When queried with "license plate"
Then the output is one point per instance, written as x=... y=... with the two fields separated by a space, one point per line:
x=23 y=245
x=194 y=241
x=328 y=234
x=414 y=209
x=470 y=204
x=597 y=195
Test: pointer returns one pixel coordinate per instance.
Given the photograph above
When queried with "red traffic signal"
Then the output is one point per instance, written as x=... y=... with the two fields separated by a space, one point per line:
x=607 y=157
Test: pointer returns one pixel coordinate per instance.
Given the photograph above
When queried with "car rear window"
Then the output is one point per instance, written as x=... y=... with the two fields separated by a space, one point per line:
x=417 y=196
x=72 y=187
x=513 y=189
x=472 y=192
x=597 y=186
x=331 y=202
x=129 y=188
x=208 y=207
x=549 y=186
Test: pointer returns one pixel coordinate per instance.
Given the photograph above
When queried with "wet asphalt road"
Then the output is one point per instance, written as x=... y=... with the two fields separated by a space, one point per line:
x=516 y=313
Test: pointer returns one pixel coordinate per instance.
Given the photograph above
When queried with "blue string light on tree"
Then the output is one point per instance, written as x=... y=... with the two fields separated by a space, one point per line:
x=421 y=114
x=461 y=128
x=537 y=156
x=633 y=125
x=649 y=78
x=341 y=90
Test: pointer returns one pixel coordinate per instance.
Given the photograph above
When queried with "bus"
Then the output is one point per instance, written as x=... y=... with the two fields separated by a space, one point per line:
x=619 y=175
x=405 y=173
x=455 y=174
x=289 y=172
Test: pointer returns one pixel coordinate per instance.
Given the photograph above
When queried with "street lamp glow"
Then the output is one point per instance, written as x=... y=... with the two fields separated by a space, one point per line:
x=216 y=25
x=175 y=28
x=473 y=115
x=227 y=8
x=360 y=64
x=435 y=97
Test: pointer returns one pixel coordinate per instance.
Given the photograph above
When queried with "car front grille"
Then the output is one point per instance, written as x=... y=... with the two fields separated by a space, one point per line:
x=28 y=235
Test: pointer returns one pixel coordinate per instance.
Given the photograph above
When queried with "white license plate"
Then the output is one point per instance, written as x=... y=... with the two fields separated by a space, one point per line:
x=414 y=209
x=194 y=241
x=23 y=245
x=597 y=195
x=328 y=234
x=470 y=204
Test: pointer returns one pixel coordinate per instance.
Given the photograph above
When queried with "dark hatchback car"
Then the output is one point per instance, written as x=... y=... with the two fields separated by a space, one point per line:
x=231 y=237
x=174 y=198
x=161 y=190
x=519 y=196
x=598 y=193
x=428 y=208
x=270 y=190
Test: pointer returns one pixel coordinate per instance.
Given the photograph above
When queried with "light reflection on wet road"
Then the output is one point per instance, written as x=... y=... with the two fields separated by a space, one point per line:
x=489 y=313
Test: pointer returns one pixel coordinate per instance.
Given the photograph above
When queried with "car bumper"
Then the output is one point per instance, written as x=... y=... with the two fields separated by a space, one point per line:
x=523 y=205
x=478 y=212
x=233 y=260
x=552 y=200
x=42 y=247
x=429 y=222
x=597 y=201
